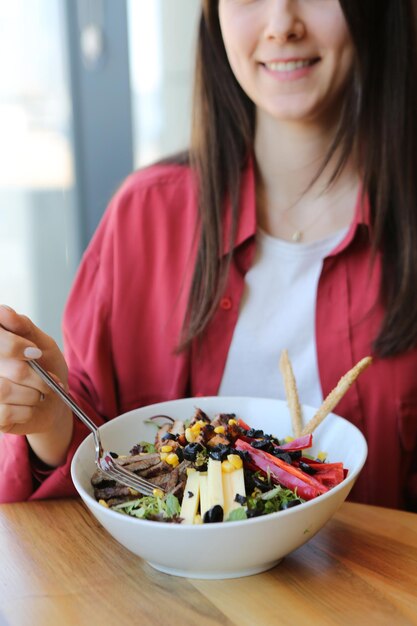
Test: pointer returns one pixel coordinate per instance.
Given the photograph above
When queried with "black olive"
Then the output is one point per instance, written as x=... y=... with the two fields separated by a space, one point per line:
x=220 y=452
x=253 y=513
x=261 y=483
x=249 y=484
x=289 y=504
x=114 y=455
x=275 y=440
x=180 y=454
x=262 y=444
x=240 y=499
x=169 y=436
x=215 y=514
x=307 y=468
x=284 y=456
x=252 y=432
x=191 y=450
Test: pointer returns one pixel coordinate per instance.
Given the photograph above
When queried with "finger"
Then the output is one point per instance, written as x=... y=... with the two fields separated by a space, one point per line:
x=23 y=420
x=20 y=373
x=18 y=333
x=14 y=346
x=20 y=395
x=12 y=415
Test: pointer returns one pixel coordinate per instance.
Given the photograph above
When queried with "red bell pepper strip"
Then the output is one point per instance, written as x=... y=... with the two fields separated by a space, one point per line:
x=329 y=474
x=301 y=443
x=243 y=424
x=284 y=473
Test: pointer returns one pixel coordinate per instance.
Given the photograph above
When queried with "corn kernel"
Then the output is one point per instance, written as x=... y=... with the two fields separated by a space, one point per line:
x=232 y=422
x=158 y=493
x=166 y=449
x=322 y=456
x=235 y=461
x=104 y=503
x=227 y=467
x=172 y=459
x=196 y=428
x=189 y=435
x=163 y=456
x=219 y=430
x=133 y=492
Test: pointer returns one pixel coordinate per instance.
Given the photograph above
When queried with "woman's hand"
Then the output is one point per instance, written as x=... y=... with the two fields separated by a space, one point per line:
x=27 y=405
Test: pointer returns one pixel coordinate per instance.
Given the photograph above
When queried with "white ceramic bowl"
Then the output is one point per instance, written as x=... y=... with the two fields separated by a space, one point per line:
x=231 y=549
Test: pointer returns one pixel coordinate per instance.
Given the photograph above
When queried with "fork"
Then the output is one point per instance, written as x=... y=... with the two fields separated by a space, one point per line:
x=104 y=459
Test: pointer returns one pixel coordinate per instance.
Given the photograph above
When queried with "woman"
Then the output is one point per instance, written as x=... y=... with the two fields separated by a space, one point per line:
x=301 y=170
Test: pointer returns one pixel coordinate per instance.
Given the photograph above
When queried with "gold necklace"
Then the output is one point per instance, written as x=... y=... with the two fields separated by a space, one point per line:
x=298 y=234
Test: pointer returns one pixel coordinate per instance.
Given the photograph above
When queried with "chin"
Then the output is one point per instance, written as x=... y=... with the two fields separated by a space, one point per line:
x=296 y=110
x=294 y=117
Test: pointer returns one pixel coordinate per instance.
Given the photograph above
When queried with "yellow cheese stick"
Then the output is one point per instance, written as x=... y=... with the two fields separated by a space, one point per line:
x=214 y=483
x=233 y=485
x=204 y=501
x=191 y=497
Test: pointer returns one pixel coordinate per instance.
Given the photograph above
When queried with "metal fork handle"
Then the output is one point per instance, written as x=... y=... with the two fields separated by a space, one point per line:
x=103 y=459
x=65 y=397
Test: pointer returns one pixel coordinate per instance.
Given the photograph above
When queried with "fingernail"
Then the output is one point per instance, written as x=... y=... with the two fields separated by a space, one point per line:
x=32 y=353
x=6 y=306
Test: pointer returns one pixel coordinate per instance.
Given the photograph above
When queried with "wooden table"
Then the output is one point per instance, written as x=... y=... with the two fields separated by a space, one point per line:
x=59 y=567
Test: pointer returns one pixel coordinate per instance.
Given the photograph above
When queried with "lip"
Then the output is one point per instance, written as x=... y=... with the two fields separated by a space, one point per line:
x=289 y=68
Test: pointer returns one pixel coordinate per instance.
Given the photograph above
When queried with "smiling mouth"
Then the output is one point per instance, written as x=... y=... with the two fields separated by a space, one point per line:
x=289 y=66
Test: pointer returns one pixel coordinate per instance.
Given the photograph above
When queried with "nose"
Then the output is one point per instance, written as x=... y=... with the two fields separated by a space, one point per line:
x=284 y=22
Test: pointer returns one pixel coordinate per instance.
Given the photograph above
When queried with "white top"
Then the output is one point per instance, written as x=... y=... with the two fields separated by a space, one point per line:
x=278 y=311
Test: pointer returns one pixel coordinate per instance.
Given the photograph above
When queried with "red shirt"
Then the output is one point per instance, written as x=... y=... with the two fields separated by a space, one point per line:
x=125 y=311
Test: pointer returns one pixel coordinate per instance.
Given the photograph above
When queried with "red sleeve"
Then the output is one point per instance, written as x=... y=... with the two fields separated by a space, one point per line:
x=122 y=321
x=15 y=472
x=22 y=478
x=91 y=382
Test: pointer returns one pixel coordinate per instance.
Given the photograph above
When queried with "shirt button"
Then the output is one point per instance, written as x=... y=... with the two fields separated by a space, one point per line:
x=226 y=304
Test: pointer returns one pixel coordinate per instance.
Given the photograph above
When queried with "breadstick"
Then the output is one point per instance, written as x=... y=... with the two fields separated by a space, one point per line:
x=291 y=393
x=336 y=395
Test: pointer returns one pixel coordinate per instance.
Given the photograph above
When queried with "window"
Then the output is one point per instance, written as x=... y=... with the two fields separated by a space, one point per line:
x=162 y=40
x=38 y=234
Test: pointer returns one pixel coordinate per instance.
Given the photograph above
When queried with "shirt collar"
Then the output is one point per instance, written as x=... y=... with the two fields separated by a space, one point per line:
x=246 y=227
x=361 y=222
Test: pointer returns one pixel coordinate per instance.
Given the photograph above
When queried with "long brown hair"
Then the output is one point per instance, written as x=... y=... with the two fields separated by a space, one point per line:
x=379 y=116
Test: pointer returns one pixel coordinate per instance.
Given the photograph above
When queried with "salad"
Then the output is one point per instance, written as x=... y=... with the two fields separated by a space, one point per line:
x=213 y=470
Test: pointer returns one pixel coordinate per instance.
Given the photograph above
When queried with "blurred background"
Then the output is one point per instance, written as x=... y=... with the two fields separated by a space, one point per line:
x=89 y=91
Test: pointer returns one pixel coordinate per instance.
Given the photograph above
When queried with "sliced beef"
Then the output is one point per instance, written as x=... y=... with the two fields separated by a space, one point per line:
x=116 y=490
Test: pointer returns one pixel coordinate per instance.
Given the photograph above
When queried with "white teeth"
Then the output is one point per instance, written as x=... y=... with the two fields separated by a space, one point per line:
x=286 y=66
